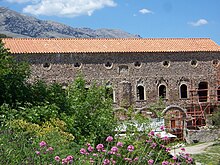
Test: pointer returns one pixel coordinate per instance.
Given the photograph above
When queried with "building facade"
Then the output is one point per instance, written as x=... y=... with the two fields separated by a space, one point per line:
x=182 y=72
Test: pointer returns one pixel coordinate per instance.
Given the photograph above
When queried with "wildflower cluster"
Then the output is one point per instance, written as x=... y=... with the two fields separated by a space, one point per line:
x=151 y=150
x=43 y=151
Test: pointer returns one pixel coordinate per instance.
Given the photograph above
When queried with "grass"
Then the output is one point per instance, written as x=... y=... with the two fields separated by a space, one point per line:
x=211 y=157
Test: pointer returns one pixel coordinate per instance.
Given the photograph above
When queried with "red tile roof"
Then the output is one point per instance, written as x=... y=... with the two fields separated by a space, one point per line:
x=79 y=45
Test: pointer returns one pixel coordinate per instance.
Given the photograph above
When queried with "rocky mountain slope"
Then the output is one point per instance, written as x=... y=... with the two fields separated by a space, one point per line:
x=14 y=24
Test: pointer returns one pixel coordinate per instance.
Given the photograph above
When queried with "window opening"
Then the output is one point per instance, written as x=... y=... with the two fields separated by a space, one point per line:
x=166 y=63
x=140 y=93
x=218 y=93
x=108 y=64
x=137 y=64
x=46 y=65
x=162 y=91
x=203 y=91
x=77 y=65
x=194 y=63
x=109 y=92
x=183 y=91
x=215 y=63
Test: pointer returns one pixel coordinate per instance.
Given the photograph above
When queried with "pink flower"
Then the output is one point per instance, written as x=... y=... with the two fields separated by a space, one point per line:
x=106 y=162
x=149 y=141
x=128 y=159
x=113 y=161
x=190 y=160
x=83 y=151
x=37 y=152
x=69 y=158
x=153 y=145
x=168 y=149
x=162 y=146
x=183 y=149
x=110 y=152
x=109 y=139
x=95 y=155
x=130 y=148
x=91 y=160
x=114 y=149
x=165 y=163
x=165 y=138
x=100 y=147
x=136 y=159
x=119 y=144
x=174 y=158
x=50 y=149
x=64 y=161
x=90 y=148
x=57 y=158
x=118 y=155
x=150 y=162
x=42 y=144
x=151 y=133
x=162 y=127
x=158 y=135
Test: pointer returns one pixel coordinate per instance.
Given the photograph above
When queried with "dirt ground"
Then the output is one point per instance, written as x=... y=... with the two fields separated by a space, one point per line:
x=196 y=149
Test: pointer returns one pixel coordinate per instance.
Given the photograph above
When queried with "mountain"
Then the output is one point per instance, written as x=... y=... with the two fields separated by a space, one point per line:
x=14 y=24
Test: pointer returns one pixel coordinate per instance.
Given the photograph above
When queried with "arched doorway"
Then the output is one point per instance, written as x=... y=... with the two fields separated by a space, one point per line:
x=174 y=117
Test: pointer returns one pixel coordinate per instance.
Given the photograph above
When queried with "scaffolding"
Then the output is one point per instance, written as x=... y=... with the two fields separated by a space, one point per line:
x=202 y=102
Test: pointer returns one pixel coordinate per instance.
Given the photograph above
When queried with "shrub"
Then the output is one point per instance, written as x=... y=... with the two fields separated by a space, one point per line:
x=90 y=116
x=150 y=151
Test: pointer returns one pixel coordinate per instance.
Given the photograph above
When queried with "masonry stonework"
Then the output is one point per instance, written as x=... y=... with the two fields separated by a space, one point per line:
x=150 y=74
x=185 y=73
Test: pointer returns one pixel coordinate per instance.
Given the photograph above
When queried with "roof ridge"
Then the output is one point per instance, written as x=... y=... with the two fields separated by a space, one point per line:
x=105 y=38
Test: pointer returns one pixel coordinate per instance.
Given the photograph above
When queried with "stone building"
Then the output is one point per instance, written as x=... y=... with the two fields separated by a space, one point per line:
x=183 y=72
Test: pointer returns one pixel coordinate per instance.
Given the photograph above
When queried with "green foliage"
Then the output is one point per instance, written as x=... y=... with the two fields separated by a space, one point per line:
x=4 y=36
x=19 y=141
x=34 y=114
x=13 y=76
x=42 y=93
x=38 y=114
x=211 y=155
x=90 y=116
x=15 y=148
x=157 y=108
x=216 y=117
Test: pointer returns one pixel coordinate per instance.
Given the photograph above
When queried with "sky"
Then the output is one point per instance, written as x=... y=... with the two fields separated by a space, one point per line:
x=147 y=18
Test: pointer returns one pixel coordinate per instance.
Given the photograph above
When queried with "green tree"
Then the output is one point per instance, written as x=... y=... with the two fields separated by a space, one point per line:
x=90 y=116
x=215 y=118
x=13 y=76
x=4 y=36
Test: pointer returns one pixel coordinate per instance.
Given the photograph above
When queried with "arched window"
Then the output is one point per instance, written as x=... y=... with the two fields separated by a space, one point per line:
x=183 y=91
x=162 y=91
x=218 y=93
x=203 y=91
x=140 y=92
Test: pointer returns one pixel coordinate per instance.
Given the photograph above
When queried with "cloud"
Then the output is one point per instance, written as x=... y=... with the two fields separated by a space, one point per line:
x=145 y=11
x=21 y=1
x=64 y=8
x=200 y=22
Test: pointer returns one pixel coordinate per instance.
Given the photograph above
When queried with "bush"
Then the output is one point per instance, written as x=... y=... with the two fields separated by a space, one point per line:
x=216 y=117
x=147 y=151
x=90 y=116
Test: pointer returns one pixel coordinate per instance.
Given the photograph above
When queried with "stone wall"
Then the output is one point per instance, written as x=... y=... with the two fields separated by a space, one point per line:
x=149 y=70
x=203 y=135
